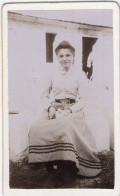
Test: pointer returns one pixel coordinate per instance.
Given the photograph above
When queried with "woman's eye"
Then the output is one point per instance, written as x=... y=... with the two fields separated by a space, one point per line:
x=68 y=55
x=61 y=56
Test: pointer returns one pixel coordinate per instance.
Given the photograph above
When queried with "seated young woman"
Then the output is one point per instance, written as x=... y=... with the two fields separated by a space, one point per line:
x=63 y=140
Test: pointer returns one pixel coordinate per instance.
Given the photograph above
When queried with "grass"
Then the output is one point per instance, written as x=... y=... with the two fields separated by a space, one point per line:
x=26 y=176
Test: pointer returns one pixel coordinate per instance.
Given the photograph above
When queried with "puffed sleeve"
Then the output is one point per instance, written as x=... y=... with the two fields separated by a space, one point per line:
x=81 y=96
x=45 y=95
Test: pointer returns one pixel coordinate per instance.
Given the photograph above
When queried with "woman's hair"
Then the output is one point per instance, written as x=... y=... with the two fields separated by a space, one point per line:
x=65 y=45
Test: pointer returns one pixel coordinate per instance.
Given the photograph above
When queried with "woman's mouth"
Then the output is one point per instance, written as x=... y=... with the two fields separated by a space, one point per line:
x=65 y=63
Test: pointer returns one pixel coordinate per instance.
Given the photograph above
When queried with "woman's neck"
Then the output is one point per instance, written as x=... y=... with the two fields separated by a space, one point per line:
x=66 y=69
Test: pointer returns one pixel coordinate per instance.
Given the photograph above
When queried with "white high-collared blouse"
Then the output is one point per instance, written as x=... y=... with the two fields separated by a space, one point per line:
x=62 y=84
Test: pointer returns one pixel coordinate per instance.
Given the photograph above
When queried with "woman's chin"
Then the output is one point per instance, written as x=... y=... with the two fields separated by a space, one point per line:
x=66 y=66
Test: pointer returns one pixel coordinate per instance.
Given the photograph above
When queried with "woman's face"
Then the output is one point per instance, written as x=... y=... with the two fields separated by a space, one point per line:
x=65 y=58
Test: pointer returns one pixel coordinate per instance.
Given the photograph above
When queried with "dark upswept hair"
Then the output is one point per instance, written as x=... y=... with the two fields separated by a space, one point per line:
x=65 y=45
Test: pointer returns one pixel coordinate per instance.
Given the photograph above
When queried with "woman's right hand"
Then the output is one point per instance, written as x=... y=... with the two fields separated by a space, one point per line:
x=52 y=112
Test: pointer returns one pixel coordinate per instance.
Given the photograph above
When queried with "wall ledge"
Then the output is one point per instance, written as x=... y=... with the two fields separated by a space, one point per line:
x=68 y=24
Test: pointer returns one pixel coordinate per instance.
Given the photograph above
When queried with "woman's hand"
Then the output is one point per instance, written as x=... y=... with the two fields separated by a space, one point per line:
x=67 y=112
x=61 y=113
x=52 y=112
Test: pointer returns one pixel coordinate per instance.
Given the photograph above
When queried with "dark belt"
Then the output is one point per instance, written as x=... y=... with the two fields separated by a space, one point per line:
x=68 y=100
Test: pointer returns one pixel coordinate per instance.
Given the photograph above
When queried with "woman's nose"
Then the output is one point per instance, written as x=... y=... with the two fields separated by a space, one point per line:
x=64 y=58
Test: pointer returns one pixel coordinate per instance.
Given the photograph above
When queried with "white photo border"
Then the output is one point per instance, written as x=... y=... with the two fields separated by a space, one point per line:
x=60 y=6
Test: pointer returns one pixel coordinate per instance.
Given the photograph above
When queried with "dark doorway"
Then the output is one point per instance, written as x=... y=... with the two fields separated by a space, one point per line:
x=87 y=44
x=49 y=47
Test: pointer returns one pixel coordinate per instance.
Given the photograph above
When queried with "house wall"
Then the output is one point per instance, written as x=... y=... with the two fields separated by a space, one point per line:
x=27 y=67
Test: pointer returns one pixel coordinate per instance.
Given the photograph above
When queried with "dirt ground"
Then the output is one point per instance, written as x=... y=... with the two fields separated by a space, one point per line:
x=25 y=176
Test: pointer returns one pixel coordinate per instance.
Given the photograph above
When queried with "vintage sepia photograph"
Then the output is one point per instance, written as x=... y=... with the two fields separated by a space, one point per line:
x=61 y=98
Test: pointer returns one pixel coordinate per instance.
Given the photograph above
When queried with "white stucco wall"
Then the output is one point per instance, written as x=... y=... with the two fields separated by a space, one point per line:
x=100 y=110
x=26 y=65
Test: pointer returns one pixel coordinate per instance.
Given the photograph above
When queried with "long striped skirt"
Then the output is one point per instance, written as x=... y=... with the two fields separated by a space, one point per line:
x=68 y=138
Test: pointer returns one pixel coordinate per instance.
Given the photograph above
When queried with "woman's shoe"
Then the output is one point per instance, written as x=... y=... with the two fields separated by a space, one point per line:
x=63 y=174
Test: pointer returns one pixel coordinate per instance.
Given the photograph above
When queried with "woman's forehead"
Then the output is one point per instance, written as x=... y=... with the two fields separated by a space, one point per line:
x=64 y=51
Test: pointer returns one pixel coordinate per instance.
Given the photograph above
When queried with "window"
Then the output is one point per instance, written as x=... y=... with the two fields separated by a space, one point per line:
x=87 y=44
x=49 y=47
